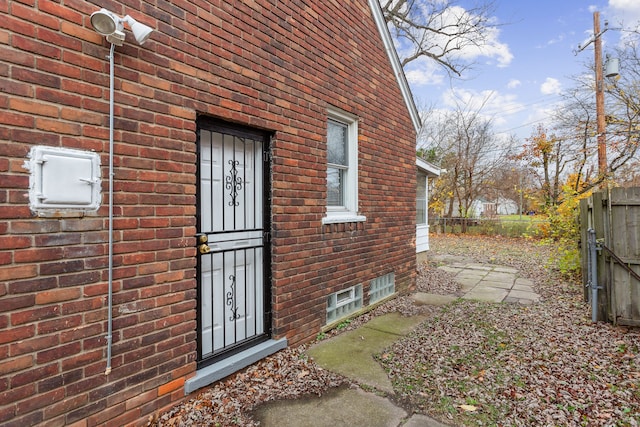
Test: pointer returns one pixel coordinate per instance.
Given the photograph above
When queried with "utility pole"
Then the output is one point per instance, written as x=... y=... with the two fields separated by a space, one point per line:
x=600 y=117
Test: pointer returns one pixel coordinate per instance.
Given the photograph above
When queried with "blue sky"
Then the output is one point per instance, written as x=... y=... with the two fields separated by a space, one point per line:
x=531 y=60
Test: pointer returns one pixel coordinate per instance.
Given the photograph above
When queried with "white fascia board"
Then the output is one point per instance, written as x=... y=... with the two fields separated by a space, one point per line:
x=395 y=63
x=427 y=167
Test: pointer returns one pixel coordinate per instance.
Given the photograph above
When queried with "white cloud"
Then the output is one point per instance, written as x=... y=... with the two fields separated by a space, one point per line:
x=424 y=77
x=551 y=86
x=626 y=5
x=424 y=71
x=626 y=12
x=559 y=39
x=491 y=47
x=491 y=105
x=540 y=114
x=508 y=115
x=513 y=83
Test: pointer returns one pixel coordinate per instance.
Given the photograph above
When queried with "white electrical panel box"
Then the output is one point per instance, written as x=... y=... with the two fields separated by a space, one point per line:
x=63 y=179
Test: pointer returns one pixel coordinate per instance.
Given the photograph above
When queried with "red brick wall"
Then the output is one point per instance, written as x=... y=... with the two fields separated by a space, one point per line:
x=272 y=68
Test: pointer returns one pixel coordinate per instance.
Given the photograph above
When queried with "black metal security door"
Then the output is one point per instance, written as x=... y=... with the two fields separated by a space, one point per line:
x=233 y=260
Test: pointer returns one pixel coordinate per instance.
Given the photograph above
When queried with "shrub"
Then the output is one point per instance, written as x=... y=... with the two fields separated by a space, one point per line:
x=563 y=229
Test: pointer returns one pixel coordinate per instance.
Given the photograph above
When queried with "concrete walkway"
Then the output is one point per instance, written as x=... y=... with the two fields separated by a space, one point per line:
x=351 y=354
x=492 y=283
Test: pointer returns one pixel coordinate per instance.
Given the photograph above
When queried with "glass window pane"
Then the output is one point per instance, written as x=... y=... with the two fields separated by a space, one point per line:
x=421 y=199
x=334 y=187
x=422 y=184
x=421 y=212
x=337 y=143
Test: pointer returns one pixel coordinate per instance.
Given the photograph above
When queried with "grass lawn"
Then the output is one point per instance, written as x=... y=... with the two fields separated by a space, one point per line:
x=503 y=225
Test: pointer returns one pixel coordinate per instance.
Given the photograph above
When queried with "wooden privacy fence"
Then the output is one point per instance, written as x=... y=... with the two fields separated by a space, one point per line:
x=610 y=227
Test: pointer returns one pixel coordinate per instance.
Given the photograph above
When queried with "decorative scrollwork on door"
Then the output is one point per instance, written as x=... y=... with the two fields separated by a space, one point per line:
x=233 y=183
x=231 y=299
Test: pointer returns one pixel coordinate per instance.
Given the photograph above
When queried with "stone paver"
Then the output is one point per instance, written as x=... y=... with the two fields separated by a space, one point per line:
x=449 y=269
x=418 y=420
x=350 y=407
x=523 y=288
x=422 y=298
x=513 y=300
x=351 y=354
x=482 y=267
x=488 y=283
x=506 y=270
x=524 y=295
x=360 y=346
x=487 y=294
x=524 y=282
x=500 y=277
x=492 y=283
x=467 y=283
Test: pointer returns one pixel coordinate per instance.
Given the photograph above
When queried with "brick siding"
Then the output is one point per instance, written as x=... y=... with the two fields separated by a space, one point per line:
x=276 y=66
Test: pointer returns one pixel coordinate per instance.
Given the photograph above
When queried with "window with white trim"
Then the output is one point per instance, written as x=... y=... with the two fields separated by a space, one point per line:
x=342 y=168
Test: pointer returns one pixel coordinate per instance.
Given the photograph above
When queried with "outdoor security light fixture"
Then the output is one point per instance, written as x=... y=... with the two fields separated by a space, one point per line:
x=111 y=26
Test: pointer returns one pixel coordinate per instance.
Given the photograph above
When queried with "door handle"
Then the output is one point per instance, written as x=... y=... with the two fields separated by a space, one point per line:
x=203 y=248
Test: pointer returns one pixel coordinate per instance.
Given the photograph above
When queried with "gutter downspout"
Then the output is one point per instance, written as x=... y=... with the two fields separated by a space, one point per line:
x=110 y=295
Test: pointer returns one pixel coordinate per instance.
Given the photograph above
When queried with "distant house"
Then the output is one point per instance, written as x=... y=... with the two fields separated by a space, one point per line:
x=175 y=210
x=487 y=208
x=490 y=208
x=506 y=206
x=425 y=171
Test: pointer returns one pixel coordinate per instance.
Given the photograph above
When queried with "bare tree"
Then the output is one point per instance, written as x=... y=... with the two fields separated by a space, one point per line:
x=440 y=30
x=623 y=108
x=574 y=124
x=512 y=182
x=471 y=155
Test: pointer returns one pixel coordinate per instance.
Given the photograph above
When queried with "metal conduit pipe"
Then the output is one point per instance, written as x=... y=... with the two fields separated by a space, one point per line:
x=111 y=26
x=110 y=268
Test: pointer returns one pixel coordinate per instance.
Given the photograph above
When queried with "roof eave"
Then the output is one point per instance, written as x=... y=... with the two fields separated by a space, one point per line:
x=427 y=167
x=383 y=29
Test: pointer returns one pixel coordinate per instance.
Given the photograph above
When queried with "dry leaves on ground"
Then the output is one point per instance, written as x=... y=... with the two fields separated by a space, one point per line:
x=287 y=374
x=544 y=364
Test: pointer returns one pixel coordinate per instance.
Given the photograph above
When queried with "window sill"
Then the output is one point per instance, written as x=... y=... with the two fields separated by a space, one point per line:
x=339 y=219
